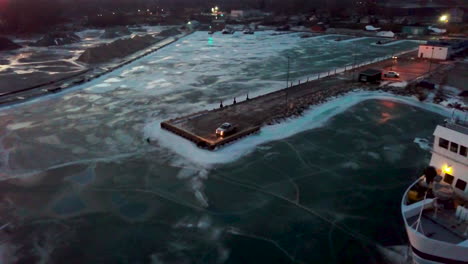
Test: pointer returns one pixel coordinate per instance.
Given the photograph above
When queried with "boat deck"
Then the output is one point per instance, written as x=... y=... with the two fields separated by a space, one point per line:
x=444 y=226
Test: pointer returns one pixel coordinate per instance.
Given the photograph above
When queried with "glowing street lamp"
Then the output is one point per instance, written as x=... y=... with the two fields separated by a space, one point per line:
x=444 y=18
x=448 y=169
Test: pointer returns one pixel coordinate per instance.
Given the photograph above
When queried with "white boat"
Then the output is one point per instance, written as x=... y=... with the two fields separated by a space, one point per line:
x=435 y=207
x=248 y=31
x=227 y=31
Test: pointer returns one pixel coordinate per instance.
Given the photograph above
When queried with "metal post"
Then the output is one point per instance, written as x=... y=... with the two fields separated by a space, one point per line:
x=354 y=63
x=430 y=62
x=287 y=76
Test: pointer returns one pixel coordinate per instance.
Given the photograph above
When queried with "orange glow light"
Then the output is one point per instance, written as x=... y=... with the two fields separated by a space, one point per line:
x=447 y=169
x=388 y=104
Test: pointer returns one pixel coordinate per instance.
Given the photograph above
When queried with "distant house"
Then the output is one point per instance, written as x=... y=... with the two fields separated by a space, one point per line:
x=237 y=13
x=318 y=28
x=442 y=50
x=246 y=13
x=436 y=52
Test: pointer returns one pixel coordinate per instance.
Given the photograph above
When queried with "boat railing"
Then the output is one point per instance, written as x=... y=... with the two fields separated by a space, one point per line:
x=457 y=124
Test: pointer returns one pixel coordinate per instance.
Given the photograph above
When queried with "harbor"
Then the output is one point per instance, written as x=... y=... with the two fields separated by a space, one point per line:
x=248 y=115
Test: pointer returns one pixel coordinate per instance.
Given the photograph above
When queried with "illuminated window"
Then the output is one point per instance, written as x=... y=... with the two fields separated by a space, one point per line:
x=454 y=147
x=463 y=151
x=443 y=143
x=448 y=178
x=461 y=184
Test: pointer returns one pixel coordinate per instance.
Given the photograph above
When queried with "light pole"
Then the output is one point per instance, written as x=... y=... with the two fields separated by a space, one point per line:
x=354 y=60
x=287 y=74
x=430 y=61
x=287 y=83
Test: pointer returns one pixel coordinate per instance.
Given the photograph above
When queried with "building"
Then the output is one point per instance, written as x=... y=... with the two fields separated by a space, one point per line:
x=247 y=13
x=237 y=13
x=442 y=49
x=370 y=75
x=434 y=51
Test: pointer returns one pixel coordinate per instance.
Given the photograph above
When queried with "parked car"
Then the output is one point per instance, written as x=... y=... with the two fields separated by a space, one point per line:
x=225 y=129
x=392 y=74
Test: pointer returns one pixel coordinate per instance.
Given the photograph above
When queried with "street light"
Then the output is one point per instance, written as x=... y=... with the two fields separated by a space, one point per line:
x=287 y=84
x=287 y=75
x=430 y=61
x=444 y=18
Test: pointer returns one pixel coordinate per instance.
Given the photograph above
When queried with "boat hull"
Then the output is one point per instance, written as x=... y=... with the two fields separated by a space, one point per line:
x=426 y=250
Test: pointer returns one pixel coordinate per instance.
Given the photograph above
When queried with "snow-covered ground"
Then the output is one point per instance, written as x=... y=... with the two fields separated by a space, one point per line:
x=45 y=59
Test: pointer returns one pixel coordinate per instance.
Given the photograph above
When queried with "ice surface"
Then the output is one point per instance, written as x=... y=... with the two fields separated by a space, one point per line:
x=398 y=84
x=423 y=143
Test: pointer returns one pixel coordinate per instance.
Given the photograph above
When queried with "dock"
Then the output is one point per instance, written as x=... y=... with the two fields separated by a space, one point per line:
x=249 y=115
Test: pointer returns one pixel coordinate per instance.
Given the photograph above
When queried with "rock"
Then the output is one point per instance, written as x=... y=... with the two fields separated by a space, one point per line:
x=169 y=32
x=116 y=32
x=6 y=44
x=57 y=39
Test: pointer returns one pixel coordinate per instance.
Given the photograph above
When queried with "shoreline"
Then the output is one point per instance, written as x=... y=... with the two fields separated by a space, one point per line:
x=69 y=82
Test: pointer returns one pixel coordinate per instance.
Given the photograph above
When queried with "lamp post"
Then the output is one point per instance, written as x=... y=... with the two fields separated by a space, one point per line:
x=287 y=73
x=354 y=60
x=287 y=81
x=430 y=61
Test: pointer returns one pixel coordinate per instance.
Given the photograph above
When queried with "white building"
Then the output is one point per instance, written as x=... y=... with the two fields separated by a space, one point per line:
x=247 y=13
x=436 y=52
x=237 y=13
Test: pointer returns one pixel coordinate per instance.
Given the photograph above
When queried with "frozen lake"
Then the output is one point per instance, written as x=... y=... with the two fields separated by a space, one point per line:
x=80 y=181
